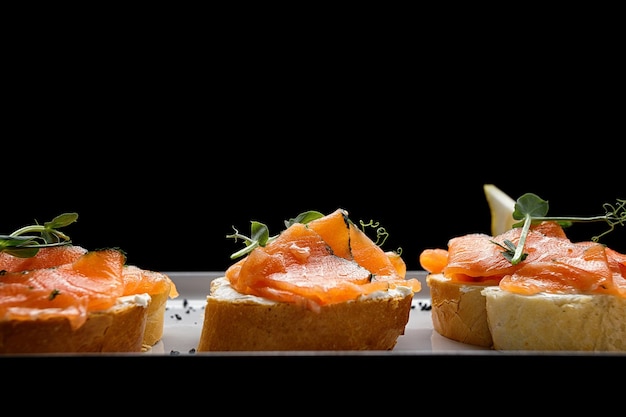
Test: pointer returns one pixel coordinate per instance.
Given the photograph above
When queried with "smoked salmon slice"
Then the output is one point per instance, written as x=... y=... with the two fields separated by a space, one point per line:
x=553 y=263
x=71 y=281
x=45 y=258
x=348 y=241
x=322 y=262
x=478 y=256
x=91 y=283
x=139 y=281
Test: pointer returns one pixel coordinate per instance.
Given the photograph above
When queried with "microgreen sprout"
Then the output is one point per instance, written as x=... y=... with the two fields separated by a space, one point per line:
x=26 y=241
x=304 y=218
x=381 y=232
x=259 y=232
x=531 y=209
x=260 y=235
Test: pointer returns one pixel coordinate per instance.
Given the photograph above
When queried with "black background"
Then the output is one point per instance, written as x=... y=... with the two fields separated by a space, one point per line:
x=162 y=151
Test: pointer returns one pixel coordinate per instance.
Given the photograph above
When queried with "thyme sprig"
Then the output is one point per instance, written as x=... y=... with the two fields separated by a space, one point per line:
x=531 y=209
x=26 y=241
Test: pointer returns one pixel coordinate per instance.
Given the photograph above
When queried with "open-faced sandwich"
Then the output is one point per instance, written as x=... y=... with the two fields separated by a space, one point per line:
x=56 y=297
x=530 y=287
x=321 y=284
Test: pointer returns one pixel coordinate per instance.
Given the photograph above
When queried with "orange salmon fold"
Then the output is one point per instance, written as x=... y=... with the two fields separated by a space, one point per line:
x=326 y=261
x=71 y=281
x=553 y=264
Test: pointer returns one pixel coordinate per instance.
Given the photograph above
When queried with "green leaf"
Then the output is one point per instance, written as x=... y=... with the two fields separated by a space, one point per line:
x=9 y=241
x=304 y=218
x=61 y=220
x=531 y=209
x=26 y=241
x=259 y=236
x=259 y=233
x=530 y=204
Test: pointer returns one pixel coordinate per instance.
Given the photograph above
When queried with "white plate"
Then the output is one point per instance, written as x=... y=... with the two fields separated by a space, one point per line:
x=183 y=319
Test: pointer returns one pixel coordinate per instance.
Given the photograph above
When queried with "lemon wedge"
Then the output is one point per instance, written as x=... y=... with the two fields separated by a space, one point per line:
x=502 y=207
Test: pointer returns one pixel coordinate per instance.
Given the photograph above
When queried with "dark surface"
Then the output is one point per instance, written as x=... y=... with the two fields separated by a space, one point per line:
x=164 y=139
x=162 y=161
x=171 y=209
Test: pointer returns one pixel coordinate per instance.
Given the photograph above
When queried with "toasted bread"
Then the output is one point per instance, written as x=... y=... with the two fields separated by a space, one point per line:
x=458 y=310
x=119 y=328
x=485 y=315
x=160 y=287
x=237 y=322
x=563 y=322
x=128 y=318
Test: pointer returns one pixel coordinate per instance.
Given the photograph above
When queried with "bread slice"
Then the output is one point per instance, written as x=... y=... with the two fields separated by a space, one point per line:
x=564 y=322
x=155 y=319
x=160 y=288
x=237 y=322
x=133 y=324
x=120 y=328
x=458 y=310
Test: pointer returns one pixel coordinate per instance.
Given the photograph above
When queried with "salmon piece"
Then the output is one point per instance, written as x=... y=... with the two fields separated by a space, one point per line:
x=45 y=258
x=582 y=268
x=91 y=283
x=301 y=267
x=300 y=262
x=371 y=256
x=617 y=261
x=554 y=264
x=20 y=301
x=617 y=264
x=475 y=257
x=160 y=288
x=397 y=263
x=550 y=229
x=434 y=260
x=139 y=281
x=349 y=242
x=334 y=228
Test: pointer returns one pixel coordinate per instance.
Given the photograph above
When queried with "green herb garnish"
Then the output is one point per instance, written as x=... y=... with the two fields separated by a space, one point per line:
x=531 y=209
x=381 y=232
x=23 y=244
x=260 y=235
x=304 y=218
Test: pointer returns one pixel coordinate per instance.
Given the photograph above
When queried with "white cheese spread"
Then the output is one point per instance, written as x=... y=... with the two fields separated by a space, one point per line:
x=221 y=288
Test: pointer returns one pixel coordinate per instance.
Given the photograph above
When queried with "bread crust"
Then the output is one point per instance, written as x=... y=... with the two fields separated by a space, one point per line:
x=155 y=319
x=249 y=323
x=458 y=310
x=485 y=315
x=563 y=322
x=117 y=329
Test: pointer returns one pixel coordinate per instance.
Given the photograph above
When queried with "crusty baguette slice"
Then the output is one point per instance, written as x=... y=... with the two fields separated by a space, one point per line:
x=156 y=310
x=564 y=322
x=236 y=322
x=160 y=288
x=458 y=310
x=155 y=319
x=117 y=329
